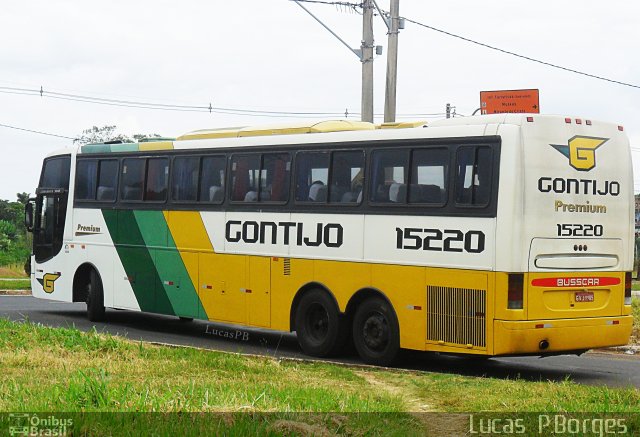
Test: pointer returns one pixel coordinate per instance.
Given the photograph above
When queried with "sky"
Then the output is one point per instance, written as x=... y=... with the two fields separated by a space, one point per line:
x=270 y=55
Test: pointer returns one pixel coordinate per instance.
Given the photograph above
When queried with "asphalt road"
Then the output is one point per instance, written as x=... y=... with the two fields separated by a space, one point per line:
x=592 y=368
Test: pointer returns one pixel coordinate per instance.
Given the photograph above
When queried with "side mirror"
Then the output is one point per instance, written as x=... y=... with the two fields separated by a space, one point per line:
x=28 y=216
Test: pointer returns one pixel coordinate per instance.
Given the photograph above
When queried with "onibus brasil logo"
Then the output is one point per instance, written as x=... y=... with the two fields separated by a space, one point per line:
x=581 y=151
x=48 y=282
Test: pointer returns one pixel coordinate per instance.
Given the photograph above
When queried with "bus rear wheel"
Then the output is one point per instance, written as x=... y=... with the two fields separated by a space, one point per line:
x=320 y=328
x=375 y=332
x=95 y=298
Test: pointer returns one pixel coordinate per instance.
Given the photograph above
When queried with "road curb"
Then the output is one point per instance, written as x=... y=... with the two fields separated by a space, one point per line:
x=626 y=350
x=15 y=293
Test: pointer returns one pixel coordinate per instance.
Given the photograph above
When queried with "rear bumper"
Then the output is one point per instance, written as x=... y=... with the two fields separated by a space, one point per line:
x=523 y=337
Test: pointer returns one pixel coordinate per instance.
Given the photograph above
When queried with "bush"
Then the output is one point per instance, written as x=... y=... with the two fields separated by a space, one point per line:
x=8 y=230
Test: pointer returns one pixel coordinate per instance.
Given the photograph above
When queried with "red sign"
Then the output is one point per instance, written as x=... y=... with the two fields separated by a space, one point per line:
x=515 y=101
x=575 y=282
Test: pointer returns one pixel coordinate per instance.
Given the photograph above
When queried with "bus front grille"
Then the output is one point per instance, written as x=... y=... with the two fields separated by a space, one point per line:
x=457 y=316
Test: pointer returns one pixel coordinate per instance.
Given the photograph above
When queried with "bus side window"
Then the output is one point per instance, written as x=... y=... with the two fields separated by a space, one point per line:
x=185 y=174
x=132 y=179
x=312 y=176
x=157 y=179
x=212 y=183
x=107 y=180
x=244 y=178
x=429 y=173
x=347 y=176
x=389 y=176
x=86 y=175
x=274 y=177
x=473 y=175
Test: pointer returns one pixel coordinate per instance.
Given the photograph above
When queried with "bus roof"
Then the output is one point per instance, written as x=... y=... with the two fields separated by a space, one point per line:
x=279 y=129
x=331 y=127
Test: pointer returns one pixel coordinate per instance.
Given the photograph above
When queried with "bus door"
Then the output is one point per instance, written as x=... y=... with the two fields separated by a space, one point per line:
x=51 y=208
x=48 y=231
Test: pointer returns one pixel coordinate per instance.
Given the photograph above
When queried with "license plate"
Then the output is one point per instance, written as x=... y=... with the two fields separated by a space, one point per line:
x=584 y=296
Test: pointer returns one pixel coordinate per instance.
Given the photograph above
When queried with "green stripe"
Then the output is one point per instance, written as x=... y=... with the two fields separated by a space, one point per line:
x=137 y=261
x=174 y=277
x=149 y=255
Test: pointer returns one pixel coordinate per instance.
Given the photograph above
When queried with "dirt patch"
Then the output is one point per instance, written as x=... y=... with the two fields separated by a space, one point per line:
x=414 y=405
x=294 y=428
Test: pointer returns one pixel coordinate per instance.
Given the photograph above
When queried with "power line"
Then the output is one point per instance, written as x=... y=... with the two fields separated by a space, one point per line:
x=182 y=108
x=152 y=105
x=528 y=58
x=37 y=132
x=571 y=70
x=322 y=2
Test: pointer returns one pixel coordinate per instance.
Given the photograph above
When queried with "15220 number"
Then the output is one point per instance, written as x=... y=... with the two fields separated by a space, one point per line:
x=449 y=240
x=575 y=230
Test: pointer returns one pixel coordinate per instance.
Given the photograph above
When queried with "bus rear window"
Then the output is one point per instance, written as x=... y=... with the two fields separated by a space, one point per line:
x=55 y=173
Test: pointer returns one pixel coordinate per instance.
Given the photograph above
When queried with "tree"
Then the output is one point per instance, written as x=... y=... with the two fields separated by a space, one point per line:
x=23 y=197
x=107 y=133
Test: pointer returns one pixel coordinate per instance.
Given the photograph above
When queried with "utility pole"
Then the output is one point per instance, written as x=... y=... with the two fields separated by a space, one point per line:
x=367 y=61
x=392 y=63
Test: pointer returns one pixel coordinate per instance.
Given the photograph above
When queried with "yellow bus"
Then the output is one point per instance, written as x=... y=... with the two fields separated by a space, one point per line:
x=493 y=235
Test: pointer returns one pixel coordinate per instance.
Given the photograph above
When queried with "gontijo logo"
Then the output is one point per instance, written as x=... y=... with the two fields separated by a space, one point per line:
x=48 y=282
x=581 y=151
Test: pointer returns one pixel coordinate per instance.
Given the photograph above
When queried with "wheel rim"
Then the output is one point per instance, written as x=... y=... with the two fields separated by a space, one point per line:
x=375 y=332
x=317 y=322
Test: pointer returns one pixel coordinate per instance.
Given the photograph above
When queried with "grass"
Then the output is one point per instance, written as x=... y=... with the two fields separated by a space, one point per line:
x=12 y=271
x=66 y=370
x=20 y=284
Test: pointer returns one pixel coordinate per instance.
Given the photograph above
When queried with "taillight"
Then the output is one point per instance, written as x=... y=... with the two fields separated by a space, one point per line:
x=516 y=291
x=627 y=288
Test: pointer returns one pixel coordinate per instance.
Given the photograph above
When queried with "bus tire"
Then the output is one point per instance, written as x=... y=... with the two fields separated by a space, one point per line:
x=319 y=326
x=376 y=335
x=95 y=298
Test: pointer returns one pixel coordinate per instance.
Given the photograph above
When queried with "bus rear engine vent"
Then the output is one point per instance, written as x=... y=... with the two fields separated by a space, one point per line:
x=456 y=315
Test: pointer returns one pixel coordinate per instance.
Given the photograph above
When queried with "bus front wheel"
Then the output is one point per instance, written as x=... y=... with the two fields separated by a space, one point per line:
x=320 y=327
x=375 y=332
x=95 y=298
